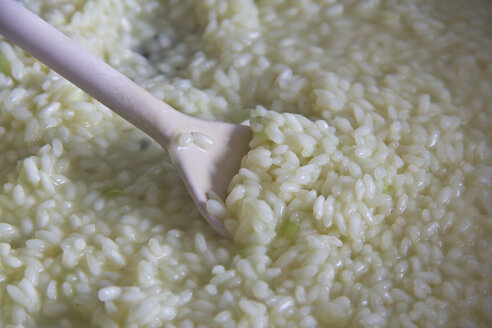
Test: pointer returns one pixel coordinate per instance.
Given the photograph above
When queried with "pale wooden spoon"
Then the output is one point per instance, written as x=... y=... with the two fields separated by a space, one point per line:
x=204 y=171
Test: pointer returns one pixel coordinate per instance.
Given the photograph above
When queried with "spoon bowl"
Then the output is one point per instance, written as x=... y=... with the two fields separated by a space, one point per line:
x=207 y=153
x=208 y=171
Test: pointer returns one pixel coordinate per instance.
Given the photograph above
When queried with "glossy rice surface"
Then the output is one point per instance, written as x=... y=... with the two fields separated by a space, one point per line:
x=365 y=200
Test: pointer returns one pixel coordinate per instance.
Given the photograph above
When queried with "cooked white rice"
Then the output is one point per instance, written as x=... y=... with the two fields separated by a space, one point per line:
x=365 y=200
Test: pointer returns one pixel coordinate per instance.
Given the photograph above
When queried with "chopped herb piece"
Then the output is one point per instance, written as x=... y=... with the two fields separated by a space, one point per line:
x=260 y=135
x=239 y=116
x=112 y=192
x=289 y=229
x=245 y=251
x=386 y=189
x=4 y=65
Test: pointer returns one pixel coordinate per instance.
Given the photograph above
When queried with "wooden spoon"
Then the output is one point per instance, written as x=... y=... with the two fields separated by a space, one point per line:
x=204 y=171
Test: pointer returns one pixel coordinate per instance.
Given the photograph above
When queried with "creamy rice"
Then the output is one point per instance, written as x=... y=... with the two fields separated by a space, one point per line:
x=365 y=200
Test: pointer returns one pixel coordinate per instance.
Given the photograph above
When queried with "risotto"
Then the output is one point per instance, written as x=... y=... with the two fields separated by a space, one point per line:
x=365 y=200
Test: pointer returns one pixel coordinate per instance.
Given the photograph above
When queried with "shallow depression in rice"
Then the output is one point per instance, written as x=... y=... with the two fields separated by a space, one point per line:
x=363 y=202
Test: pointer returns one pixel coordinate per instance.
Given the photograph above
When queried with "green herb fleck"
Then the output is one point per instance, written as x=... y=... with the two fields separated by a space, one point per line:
x=260 y=135
x=245 y=251
x=289 y=229
x=239 y=116
x=112 y=192
x=4 y=65
x=386 y=189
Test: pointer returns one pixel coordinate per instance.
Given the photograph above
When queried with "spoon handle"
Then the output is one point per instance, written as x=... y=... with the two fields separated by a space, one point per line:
x=88 y=72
